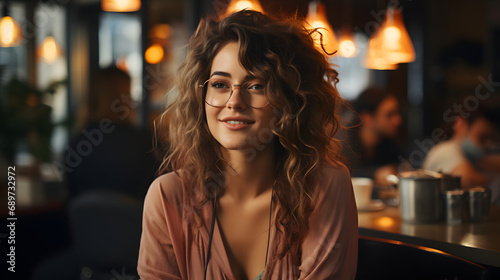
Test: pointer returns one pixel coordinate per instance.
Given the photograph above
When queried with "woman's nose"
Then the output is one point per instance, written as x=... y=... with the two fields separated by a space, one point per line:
x=236 y=100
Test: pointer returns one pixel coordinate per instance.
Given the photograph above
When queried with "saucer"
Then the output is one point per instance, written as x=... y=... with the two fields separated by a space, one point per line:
x=374 y=205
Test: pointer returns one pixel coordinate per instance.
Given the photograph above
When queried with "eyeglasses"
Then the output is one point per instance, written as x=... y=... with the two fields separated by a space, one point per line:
x=219 y=91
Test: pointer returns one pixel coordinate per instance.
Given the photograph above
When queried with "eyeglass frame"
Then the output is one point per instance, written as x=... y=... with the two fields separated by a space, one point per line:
x=230 y=95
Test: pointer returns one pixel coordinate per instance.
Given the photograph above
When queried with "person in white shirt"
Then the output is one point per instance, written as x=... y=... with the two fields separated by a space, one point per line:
x=470 y=152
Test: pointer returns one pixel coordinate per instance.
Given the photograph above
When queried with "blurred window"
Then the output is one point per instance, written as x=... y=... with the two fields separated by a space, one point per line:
x=120 y=45
x=13 y=59
x=353 y=77
x=51 y=67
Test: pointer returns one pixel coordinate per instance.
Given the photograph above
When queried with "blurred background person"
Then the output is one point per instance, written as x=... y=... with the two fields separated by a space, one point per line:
x=109 y=166
x=120 y=157
x=372 y=150
x=471 y=152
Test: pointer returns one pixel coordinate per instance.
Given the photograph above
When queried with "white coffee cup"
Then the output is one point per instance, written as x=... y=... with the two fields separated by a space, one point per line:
x=362 y=191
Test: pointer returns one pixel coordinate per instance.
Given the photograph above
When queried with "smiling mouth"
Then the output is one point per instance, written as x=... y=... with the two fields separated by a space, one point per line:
x=238 y=122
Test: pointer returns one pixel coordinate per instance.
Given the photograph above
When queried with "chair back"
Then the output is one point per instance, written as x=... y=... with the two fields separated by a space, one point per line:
x=107 y=228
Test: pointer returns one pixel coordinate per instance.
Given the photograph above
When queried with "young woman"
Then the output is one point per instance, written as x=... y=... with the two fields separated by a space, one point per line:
x=258 y=190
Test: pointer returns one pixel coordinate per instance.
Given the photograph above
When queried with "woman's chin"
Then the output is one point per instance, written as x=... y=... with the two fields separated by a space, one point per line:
x=233 y=146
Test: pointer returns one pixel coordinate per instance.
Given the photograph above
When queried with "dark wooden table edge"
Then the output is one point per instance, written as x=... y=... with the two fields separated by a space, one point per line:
x=476 y=255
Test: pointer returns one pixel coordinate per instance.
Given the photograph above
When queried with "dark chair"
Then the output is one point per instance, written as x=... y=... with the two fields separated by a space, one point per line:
x=106 y=229
x=388 y=259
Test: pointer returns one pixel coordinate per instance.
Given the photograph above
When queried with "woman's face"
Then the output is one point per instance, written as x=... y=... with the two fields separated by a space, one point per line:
x=235 y=125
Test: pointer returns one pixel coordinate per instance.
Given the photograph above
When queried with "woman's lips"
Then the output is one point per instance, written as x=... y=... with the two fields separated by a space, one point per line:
x=236 y=122
x=236 y=125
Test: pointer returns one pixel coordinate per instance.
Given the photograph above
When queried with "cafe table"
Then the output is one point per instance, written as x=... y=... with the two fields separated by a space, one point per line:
x=477 y=242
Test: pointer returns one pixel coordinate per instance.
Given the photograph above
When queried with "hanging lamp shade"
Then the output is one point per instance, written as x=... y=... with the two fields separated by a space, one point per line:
x=376 y=56
x=396 y=41
x=11 y=34
x=120 y=5
x=316 y=19
x=347 y=47
x=238 y=5
x=49 y=50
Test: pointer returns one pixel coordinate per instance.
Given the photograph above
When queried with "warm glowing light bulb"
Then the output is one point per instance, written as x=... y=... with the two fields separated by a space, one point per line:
x=120 y=5
x=10 y=32
x=49 y=49
x=317 y=24
x=396 y=42
x=324 y=36
x=154 y=54
x=347 y=48
x=238 y=5
x=376 y=55
x=243 y=5
x=7 y=28
x=392 y=35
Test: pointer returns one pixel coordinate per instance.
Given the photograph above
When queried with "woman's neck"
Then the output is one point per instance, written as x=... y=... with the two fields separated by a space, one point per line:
x=249 y=174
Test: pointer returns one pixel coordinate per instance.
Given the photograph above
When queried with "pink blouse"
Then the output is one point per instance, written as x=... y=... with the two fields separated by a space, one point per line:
x=169 y=247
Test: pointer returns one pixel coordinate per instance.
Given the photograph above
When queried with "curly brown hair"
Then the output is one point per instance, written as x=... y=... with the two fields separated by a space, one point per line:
x=303 y=97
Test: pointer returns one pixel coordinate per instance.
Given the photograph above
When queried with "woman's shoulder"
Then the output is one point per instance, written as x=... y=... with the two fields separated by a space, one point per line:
x=334 y=171
x=166 y=188
x=334 y=180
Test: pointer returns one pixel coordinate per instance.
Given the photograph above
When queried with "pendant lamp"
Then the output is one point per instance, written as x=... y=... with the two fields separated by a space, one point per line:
x=391 y=44
x=49 y=50
x=238 y=5
x=396 y=41
x=316 y=19
x=11 y=34
x=347 y=47
x=376 y=57
x=120 y=5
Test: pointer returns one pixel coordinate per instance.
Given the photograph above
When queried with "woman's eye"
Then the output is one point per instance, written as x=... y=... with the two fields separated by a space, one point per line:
x=219 y=85
x=256 y=87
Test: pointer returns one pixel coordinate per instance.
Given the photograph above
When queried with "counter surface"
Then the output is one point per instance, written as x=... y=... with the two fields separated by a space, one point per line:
x=477 y=242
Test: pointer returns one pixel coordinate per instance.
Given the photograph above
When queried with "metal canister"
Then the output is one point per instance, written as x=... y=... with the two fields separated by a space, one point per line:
x=454 y=206
x=477 y=203
x=487 y=202
x=421 y=198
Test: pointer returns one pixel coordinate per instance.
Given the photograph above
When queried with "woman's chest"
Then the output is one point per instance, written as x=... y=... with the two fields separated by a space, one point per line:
x=245 y=238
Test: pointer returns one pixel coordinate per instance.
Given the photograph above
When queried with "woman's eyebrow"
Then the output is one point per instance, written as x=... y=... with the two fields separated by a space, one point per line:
x=220 y=73
x=225 y=74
